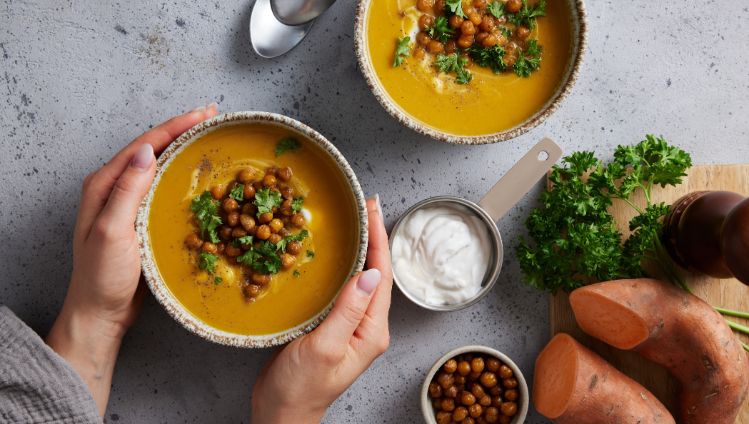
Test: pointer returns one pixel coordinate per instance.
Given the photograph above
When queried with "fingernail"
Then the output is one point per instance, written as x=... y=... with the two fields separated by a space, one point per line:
x=213 y=107
x=378 y=205
x=198 y=109
x=368 y=280
x=143 y=157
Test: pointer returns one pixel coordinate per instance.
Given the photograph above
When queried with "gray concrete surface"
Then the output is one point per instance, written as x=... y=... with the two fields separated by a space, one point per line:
x=79 y=79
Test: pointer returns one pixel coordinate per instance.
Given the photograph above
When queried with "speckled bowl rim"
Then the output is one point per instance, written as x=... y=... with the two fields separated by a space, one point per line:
x=152 y=274
x=573 y=69
x=426 y=406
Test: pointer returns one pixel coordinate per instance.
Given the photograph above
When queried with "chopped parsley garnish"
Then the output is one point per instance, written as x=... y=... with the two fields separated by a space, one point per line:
x=217 y=280
x=267 y=199
x=262 y=258
x=492 y=57
x=286 y=145
x=526 y=16
x=310 y=253
x=441 y=31
x=281 y=245
x=237 y=193
x=296 y=204
x=296 y=273
x=455 y=7
x=207 y=262
x=496 y=8
x=246 y=240
x=401 y=50
x=454 y=63
x=529 y=60
x=205 y=209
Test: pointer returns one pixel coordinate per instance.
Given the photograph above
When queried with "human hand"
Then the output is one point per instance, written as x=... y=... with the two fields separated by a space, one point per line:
x=104 y=298
x=304 y=378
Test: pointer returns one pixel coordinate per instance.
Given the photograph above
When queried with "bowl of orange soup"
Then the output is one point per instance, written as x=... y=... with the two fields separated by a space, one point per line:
x=252 y=226
x=470 y=71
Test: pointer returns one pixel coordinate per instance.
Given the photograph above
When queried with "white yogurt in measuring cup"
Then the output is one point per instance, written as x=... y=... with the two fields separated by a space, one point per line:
x=441 y=254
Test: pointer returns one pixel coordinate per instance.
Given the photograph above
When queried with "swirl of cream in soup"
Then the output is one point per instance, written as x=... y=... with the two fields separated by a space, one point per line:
x=441 y=254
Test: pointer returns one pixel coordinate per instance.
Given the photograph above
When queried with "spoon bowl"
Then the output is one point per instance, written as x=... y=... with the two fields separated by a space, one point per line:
x=271 y=38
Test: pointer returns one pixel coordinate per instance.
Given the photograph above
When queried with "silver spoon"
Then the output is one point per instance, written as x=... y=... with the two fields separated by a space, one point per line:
x=277 y=26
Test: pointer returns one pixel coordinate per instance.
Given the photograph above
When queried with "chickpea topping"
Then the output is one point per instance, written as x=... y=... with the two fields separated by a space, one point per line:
x=275 y=225
x=467 y=28
x=465 y=41
x=218 y=191
x=209 y=247
x=246 y=176
x=232 y=251
x=298 y=220
x=287 y=261
x=274 y=238
x=232 y=219
x=425 y=5
x=419 y=52
x=248 y=191
x=294 y=247
x=230 y=205
x=425 y=21
x=285 y=174
x=460 y=413
x=513 y=6
x=261 y=279
x=455 y=21
x=435 y=46
x=422 y=38
x=269 y=181
x=266 y=218
x=263 y=232
x=511 y=394
x=193 y=241
x=477 y=364
x=450 y=366
x=523 y=32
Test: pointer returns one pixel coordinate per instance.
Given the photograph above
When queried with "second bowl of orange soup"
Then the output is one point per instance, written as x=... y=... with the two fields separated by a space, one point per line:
x=470 y=71
x=253 y=224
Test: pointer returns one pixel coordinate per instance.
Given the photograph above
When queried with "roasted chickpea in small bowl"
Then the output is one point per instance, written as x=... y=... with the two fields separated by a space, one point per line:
x=474 y=385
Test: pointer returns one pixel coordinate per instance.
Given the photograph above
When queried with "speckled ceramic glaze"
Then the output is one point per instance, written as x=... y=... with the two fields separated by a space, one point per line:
x=579 y=28
x=151 y=271
x=524 y=399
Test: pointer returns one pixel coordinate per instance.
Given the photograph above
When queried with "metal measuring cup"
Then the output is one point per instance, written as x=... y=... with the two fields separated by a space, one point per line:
x=490 y=209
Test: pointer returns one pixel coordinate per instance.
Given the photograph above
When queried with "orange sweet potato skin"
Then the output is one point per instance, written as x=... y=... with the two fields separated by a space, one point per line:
x=691 y=340
x=601 y=393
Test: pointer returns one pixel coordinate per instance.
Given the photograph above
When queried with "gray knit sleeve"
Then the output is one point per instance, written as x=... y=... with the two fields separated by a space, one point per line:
x=37 y=385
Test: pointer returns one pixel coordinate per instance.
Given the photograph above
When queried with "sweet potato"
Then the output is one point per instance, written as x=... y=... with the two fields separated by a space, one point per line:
x=677 y=330
x=574 y=385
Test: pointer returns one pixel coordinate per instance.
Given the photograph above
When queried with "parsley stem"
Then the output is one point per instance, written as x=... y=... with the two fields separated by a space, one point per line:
x=635 y=207
x=732 y=313
x=746 y=346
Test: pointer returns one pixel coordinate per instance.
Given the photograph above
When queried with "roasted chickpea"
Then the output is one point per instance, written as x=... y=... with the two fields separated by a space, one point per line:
x=443 y=417
x=477 y=364
x=475 y=410
x=464 y=368
x=511 y=394
x=247 y=222
x=450 y=366
x=425 y=5
x=447 y=404
x=275 y=238
x=435 y=46
x=298 y=220
x=467 y=28
x=513 y=6
x=435 y=390
x=249 y=209
x=248 y=191
x=246 y=176
x=505 y=371
x=232 y=251
x=479 y=4
x=451 y=392
x=504 y=419
x=487 y=23
x=422 y=38
x=468 y=420
x=496 y=390
x=473 y=376
x=287 y=193
x=263 y=232
x=450 y=47
x=488 y=379
x=510 y=383
x=460 y=413
x=251 y=290
x=275 y=225
x=209 y=247
x=491 y=415
x=522 y=32
x=496 y=401
x=474 y=17
x=285 y=174
x=460 y=380
x=294 y=247
x=218 y=191
x=445 y=380
x=509 y=408
x=270 y=181
x=260 y=279
x=465 y=41
x=439 y=7
x=425 y=21
x=485 y=401
x=481 y=36
x=238 y=232
x=455 y=21
x=467 y=398
x=477 y=391
x=224 y=232
x=193 y=241
x=220 y=248
x=258 y=185
x=287 y=261
x=492 y=364
x=266 y=217
x=489 y=41
x=230 y=205
x=232 y=219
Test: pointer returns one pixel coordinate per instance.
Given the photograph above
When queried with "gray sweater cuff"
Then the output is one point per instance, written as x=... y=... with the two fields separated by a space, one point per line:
x=36 y=384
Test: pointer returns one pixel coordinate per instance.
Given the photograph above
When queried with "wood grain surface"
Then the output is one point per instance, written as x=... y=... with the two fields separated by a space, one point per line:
x=729 y=293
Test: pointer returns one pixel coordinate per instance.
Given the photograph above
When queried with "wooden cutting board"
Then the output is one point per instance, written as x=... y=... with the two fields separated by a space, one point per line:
x=729 y=294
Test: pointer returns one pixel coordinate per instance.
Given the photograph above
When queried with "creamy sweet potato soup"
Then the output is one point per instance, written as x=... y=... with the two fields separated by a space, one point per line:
x=470 y=67
x=253 y=229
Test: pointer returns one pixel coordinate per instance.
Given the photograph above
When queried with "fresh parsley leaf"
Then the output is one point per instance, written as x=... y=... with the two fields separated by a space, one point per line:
x=529 y=60
x=207 y=262
x=441 y=30
x=296 y=204
x=454 y=63
x=310 y=253
x=492 y=57
x=287 y=144
x=296 y=273
x=237 y=193
x=402 y=48
x=455 y=7
x=205 y=209
x=496 y=8
x=245 y=240
x=281 y=245
x=526 y=16
x=267 y=199
x=262 y=258
x=217 y=280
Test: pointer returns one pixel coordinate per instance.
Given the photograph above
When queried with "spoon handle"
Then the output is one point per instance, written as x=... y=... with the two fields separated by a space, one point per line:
x=520 y=178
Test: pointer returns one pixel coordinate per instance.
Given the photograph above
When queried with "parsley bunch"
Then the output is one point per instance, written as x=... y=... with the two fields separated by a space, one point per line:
x=575 y=240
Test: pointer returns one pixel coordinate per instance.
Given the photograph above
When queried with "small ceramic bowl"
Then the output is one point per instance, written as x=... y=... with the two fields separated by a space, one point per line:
x=524 y=400
x=364 y=58
x=151 y=271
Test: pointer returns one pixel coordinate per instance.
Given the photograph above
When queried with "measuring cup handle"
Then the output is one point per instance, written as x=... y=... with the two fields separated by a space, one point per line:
x=520 y=178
